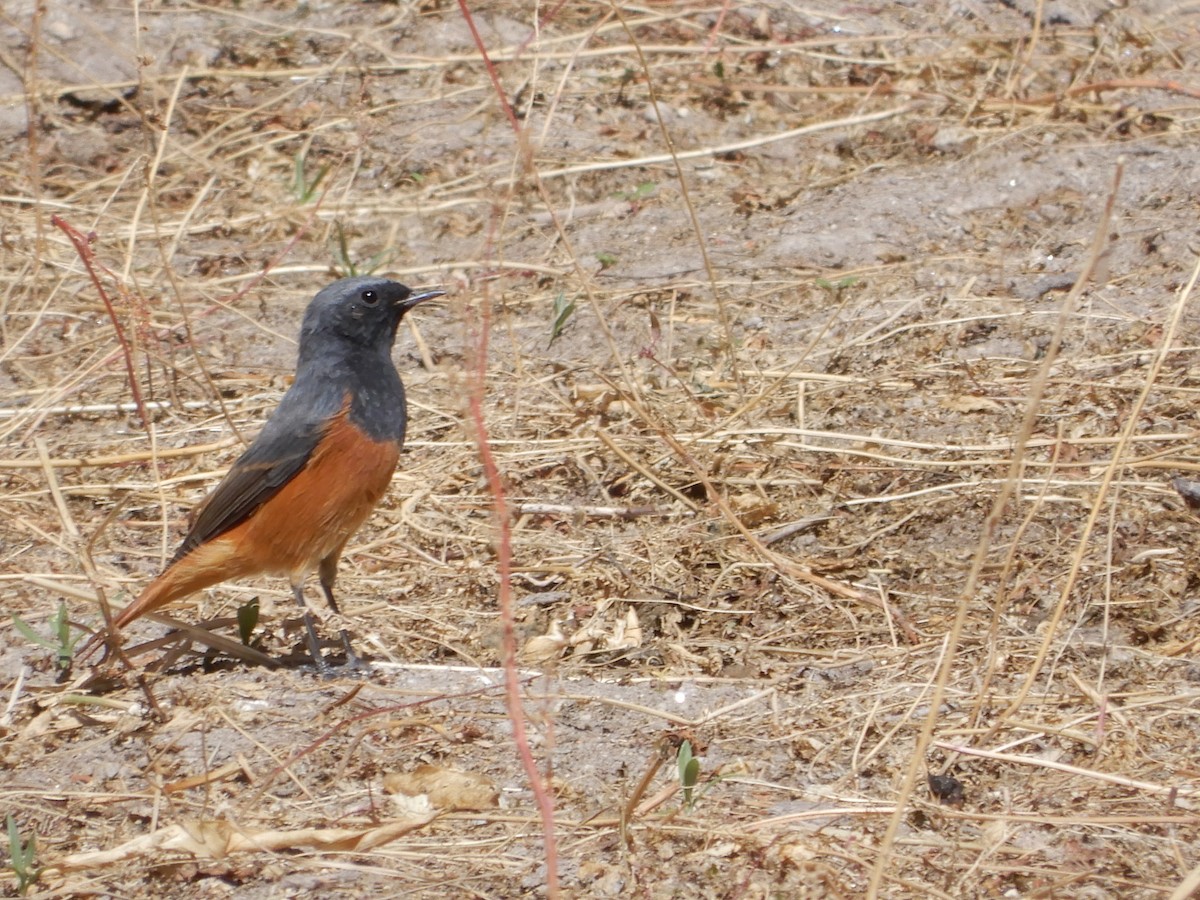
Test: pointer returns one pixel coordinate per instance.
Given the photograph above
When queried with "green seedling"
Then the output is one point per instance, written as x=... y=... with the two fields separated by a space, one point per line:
x=641 y=192
x=304 y=189
x=247 y=618
x=688 y=767
x=836 y=288
x=60 y=640
x=20 y=854
x=606 y=260
x=689 y=774
x=563 y=310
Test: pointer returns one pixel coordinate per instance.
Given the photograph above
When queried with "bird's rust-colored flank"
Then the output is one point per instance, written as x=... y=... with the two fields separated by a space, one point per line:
x=309 y=520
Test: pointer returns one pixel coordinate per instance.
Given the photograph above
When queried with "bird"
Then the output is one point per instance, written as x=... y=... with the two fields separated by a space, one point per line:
x=318 y=468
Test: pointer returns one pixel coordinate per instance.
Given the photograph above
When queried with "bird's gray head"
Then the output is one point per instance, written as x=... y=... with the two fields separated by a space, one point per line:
x=359 y=313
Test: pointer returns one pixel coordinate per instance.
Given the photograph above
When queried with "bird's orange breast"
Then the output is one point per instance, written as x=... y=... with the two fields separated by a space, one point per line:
x=316 y=512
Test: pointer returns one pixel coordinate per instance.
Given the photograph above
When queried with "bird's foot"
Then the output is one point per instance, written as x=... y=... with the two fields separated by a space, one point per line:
x=354 y=665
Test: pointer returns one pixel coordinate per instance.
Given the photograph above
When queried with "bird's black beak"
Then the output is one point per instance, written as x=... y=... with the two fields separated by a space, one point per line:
x=419 y=297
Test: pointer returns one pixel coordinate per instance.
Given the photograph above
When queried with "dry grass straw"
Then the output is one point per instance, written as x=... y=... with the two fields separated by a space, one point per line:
x=746 y=494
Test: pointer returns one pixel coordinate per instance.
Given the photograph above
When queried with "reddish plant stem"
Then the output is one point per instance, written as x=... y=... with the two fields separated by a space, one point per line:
x=490 y=66
x=512 y=686
x=83 y=246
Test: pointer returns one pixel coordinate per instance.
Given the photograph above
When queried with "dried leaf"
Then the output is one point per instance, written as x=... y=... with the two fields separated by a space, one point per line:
x=544 y=647
x=213 y=839
x=446 y=788
x=967 y=403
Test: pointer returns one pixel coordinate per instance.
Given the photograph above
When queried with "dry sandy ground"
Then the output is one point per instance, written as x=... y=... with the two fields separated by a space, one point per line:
x=822 y=452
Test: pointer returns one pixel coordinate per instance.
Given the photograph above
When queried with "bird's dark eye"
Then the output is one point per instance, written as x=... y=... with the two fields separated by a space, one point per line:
x=370 y=298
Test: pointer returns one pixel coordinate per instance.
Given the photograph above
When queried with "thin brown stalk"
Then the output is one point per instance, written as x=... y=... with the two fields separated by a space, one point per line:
x=917 y=761
x=83 y=247
x=503 y=546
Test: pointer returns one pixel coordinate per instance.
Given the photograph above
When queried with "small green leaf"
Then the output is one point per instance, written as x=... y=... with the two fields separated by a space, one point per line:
x=341 y=252
x=59 y=640
x=689 y=773
x=27 y=632
x=61 y=624
x=837 y=286
x=247 y=616
x=684 y=760
x=21 y=856
x=642 y=191
x=301 y=186
x=606 y=260
x=563 y=310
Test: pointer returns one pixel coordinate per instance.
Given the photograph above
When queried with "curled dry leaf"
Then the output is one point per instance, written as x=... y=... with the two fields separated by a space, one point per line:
x=628 y=633
x=446 y=788
x=214 y=839
x=967 y=403
x=752 y=508
x=600 y=631
x=544 y=647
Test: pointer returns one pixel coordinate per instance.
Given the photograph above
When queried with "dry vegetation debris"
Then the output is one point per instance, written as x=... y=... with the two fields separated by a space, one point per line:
x=778 y=296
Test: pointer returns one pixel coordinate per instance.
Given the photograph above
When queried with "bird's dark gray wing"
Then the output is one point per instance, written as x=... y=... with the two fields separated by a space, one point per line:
x=281 y=450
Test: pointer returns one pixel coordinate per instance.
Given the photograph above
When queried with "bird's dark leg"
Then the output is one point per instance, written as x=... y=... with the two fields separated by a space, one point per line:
x=314 y=643
x=328 y=572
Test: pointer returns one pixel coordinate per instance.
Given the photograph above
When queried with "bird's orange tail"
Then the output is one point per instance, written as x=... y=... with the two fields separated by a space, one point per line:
x=205 y=566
